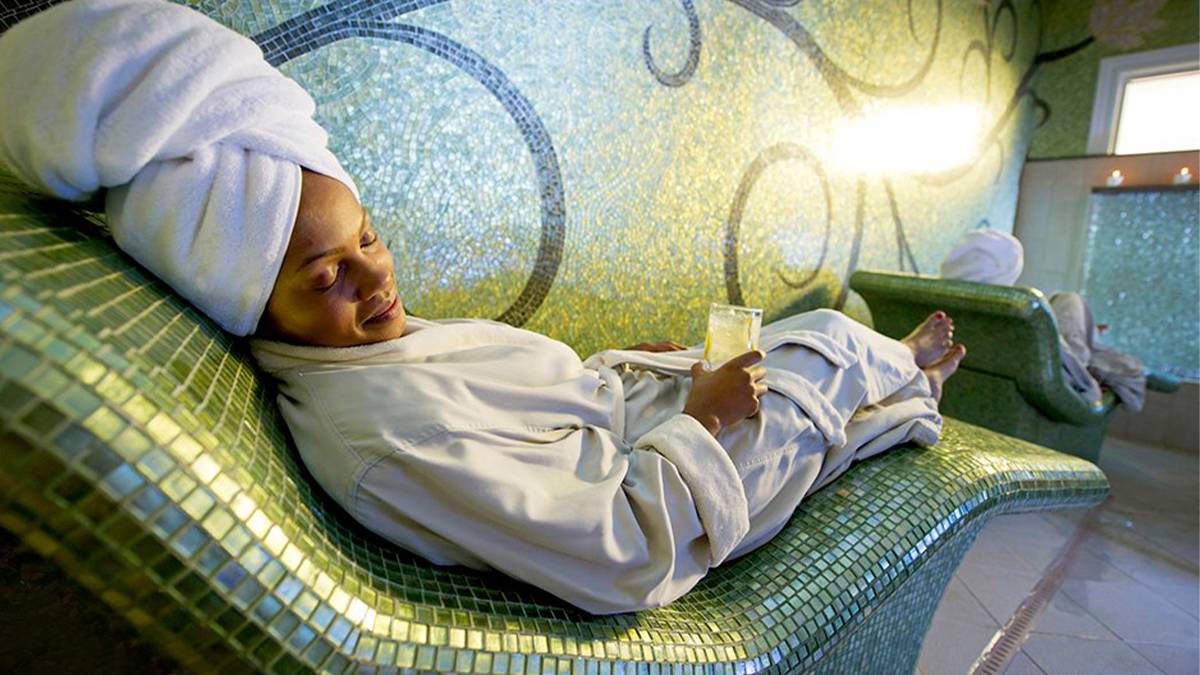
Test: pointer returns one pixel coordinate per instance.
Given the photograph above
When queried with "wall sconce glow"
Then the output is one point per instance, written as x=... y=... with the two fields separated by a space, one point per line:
x=1115 y=178
x=1184 y=176
x=917 y=140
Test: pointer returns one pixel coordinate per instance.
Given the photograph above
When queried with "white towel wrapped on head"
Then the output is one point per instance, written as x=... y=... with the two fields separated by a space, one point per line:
x=199 y=140
x=985 y=256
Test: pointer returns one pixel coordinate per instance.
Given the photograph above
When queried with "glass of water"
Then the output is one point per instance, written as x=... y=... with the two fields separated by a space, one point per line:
x=732 y=331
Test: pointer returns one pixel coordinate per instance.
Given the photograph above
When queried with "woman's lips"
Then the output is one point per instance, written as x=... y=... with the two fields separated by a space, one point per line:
x=387 y=314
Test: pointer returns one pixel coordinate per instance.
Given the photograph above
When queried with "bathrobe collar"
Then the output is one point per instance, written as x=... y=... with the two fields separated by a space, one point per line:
x=422 y=339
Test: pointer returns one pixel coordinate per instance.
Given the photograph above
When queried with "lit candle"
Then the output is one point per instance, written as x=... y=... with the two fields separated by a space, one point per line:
x=1115 y=178
x=1184 y=176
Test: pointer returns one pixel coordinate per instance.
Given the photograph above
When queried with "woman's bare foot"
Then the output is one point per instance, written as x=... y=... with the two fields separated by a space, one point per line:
x=939 y=371
x=930 y=341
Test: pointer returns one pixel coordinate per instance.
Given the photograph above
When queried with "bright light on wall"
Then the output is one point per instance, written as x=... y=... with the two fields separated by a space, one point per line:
x=914 y=140
x=1158 y=114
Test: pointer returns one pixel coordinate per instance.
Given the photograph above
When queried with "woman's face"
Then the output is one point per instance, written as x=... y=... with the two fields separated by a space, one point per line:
x=335 y=287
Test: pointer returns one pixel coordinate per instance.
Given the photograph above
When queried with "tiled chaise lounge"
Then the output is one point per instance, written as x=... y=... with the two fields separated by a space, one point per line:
x=1013 y=381
x=141 y=451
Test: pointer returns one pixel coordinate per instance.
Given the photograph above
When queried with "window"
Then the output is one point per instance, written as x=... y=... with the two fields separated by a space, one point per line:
x=1147 y=102
x=1159 y=114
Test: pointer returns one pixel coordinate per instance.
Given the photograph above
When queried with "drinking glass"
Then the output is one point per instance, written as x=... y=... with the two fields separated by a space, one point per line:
x=732 y=330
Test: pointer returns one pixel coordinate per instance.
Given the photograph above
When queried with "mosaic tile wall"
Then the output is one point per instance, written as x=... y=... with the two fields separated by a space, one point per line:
x=601 y=171
x=1130 y=232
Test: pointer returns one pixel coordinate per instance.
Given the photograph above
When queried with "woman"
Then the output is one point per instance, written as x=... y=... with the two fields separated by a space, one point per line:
x=615 y=483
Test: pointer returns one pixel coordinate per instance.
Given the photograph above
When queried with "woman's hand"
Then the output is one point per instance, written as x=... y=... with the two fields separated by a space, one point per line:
x=656 y=347
x=728 y=394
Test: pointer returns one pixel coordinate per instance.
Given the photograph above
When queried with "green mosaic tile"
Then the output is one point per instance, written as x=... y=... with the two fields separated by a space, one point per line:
x=17 y=361
x=1131 y=231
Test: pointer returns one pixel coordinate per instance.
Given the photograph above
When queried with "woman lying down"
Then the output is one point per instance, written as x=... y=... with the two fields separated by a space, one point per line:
x=614 y=483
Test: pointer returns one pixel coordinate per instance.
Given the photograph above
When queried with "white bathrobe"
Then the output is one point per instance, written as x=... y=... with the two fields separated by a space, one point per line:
x=1089 y=364
x=476 y=443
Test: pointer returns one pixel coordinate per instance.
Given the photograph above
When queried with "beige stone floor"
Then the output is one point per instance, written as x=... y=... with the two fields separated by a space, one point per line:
x=1127 y=604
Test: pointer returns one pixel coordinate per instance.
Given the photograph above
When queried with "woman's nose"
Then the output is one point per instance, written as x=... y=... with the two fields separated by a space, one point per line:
x=374 y=277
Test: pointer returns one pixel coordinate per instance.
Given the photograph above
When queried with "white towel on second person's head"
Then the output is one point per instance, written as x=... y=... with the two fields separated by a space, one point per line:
x=985 y=256
x=199 y=140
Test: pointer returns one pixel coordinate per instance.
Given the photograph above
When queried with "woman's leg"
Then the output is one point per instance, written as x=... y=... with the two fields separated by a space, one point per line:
x=884 y=396
x=882 y=366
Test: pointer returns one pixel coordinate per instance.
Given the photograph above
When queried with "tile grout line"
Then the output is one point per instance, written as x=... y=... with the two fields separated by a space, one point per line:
x=1007 y=641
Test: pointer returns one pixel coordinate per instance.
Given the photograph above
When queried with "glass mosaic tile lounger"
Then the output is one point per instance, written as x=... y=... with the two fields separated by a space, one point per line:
x=1014 y=381
x=140 y=450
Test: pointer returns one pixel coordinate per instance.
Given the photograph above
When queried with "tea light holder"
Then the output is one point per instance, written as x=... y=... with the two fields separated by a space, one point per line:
x=1184 y=176
x=1115 y=178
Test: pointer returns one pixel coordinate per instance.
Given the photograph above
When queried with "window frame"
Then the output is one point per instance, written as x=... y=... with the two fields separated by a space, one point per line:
x=1115 y=72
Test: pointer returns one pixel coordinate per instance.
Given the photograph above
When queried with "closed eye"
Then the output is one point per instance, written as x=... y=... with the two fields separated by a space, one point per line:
x=333 y=283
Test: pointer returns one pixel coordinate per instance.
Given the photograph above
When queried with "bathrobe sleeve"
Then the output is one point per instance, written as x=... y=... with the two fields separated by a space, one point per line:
x=606 y=526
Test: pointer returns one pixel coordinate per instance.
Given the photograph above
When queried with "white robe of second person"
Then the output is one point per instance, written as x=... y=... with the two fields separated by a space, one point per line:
x=472 y=442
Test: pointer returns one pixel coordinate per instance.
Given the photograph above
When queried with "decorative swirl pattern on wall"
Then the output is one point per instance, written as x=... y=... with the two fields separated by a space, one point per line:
x=842 y=84
x=677 y=79
x=985 y=49
x=776 y=153
x=301 y=35
x=990 y=47
x=836 y=78
x=903 y=250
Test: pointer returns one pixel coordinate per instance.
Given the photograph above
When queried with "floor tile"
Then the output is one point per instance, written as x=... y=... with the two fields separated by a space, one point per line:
x=1128 y=610
x=990 y=549
x=1000 y=589
x=1136 y=577
x=1175 y=535
x=951 y=647
x=1137 y=557
x=1170 y=660
x=1064 y=616
x=1164 y=576
x=1063 y=655
x=1021 y=522
x=958 y=604
x=1065 y=521
x=1022 y=665
x=1037 y=541
x=1184 y=596
x=1031 y=525
x=1091 y=566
